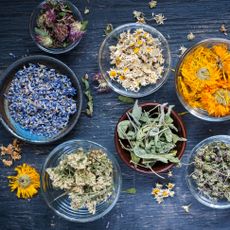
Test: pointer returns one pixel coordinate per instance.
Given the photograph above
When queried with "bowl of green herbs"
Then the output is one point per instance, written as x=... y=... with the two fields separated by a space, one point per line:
x=208 y=172
x=150 y=138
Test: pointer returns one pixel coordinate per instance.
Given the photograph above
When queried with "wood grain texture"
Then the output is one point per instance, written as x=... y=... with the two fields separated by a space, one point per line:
x=132 y=212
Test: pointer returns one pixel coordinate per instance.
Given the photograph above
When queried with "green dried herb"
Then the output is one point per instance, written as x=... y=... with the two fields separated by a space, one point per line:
x=88 y=94
x=86 y=177
x=151 y=136
x=126 y=100
x=211 y=170
x=108 y=29
x=131 y=191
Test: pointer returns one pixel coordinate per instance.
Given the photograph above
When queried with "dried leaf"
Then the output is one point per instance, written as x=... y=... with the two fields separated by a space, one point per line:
x=87 y=92
x=131 y=191
x=127 y=100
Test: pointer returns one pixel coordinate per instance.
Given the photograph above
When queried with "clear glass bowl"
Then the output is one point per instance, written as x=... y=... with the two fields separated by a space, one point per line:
x=202 y=114
x=33 y=23
x=62 y=206
x=220 y=204
x=104 y=59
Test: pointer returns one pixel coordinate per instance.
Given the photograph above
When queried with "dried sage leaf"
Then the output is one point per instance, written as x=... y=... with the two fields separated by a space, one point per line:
x=131 y=191
x=127 y=100
x=87 y=92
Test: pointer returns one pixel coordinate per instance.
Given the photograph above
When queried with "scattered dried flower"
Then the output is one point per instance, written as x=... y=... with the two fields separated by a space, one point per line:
x=139 y=16
x=170 y=174
x=86 y=11
x=159 y=19
x=101 y=83
x=152 y=4
x=223 y=29
x=26 y=182
x=108 y=29
x=160 y=193
x=10 y=153
x=186 y=208
x=191 y=36
x=182 y=50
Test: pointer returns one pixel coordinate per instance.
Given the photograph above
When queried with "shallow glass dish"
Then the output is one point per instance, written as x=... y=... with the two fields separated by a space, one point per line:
x=62 y=206
x=202 y=114
x=220 y=204
x=104 y=59
x=33 y=23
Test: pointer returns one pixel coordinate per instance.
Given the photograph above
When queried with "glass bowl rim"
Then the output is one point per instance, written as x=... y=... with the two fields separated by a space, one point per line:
x=54 y=50
x=165 y=75
x=180 y=97
x=115 y=165
x=224 y=138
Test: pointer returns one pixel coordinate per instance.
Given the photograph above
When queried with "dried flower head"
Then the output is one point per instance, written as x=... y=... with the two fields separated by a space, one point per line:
x=152 y=4
x=76 y=31
x=61 y=31
x=86 y=11
x=186 y=208
x=191 y=36
x=101 y=83
x=223 y=29
x=159 y=19
x=182 y=50
x=108 y=29
x=26 y=182
x=139 y=16
x=170 y=174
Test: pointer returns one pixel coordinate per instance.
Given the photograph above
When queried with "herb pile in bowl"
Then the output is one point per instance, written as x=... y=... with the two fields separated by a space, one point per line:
x=211 y=170
x=57 y=26
x=85 y=176
x=149 y=136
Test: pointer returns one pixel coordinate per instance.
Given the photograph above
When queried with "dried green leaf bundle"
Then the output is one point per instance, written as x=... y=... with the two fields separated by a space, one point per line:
x=88 y=94
x=211 y=170
x=87 y=178
x=151 y=136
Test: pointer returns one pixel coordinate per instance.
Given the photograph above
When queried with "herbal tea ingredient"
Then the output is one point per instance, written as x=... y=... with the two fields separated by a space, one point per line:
x=149 y=136
x=211 y=170
x=10 y=153
x=137 y=60
x=88 y=94
x=204 y=79
x=26 y=182
x=160 y=192
x=41 y=100
x=86 y=177
x=57 y=26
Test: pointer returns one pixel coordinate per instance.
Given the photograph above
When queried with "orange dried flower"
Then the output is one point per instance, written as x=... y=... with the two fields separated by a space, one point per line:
x=204 y=79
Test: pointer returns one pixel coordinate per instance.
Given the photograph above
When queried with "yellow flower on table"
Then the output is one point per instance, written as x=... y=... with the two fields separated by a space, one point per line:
x=26 y=182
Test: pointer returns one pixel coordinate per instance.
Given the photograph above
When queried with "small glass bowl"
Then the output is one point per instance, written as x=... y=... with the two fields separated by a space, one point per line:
x=62 y=205
x=104 y=59
x=220 y=204
x=33 y=24
x=202 y=114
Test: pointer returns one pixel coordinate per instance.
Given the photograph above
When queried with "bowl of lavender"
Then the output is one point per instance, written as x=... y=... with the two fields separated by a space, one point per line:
x=57 y=26
x=40 y=99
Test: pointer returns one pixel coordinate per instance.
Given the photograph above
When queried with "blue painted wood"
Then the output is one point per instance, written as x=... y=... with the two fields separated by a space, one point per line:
x=140 y=211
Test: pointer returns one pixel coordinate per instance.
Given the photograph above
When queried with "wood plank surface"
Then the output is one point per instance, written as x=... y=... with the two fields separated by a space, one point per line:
x=132 y=212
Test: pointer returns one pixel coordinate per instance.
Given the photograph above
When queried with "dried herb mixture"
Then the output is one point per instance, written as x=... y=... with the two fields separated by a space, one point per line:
x=87 y=178
x=151 y=136
x=57 y=26
x=211 y=170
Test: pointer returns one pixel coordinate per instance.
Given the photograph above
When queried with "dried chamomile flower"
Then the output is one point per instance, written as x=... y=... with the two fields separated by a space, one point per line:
x=139 y=16
x=159 y=19
x=170 y=174
x=152 y=4
x=86 y=11
x=160 y=192
x=182 y=50
x=186 y=208
x=191 y=36
x=101 y=83
x=223 y=29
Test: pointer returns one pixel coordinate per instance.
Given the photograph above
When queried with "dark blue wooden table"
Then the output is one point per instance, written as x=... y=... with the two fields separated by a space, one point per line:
x=139 y=211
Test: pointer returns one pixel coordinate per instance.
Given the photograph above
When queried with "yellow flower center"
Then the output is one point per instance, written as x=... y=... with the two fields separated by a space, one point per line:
x=24 y=181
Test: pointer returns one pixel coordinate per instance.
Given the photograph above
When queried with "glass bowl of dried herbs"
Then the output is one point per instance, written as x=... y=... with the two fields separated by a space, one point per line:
x=57 y=26
x=150 y=138
x=81 y=181
x=207 y=173
x=202 y=79
x=135 y=60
